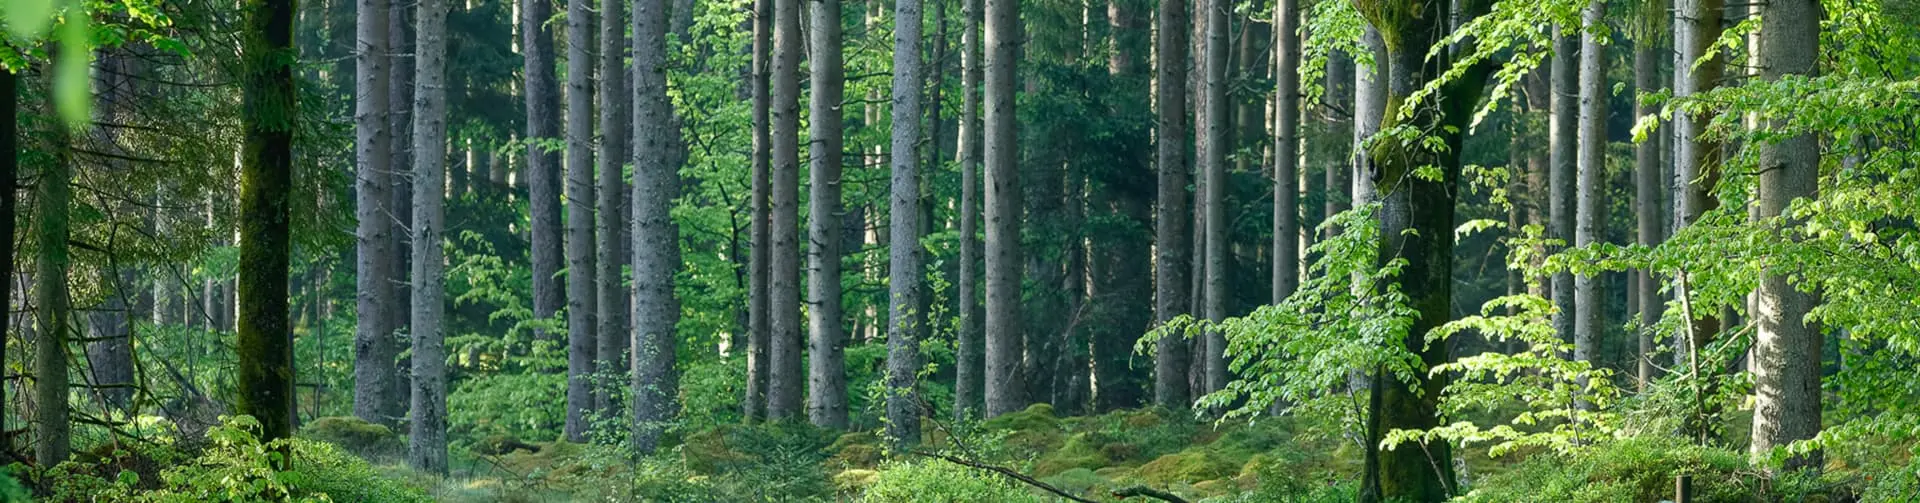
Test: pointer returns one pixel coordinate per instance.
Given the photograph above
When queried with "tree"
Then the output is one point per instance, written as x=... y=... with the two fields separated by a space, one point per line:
x=1696 y=27
x=1213 y=166
x=9 y=201
x=616 y=113
x=1005 y=335
x=1592 y=164
x=783 y=377
x=1172 y=243
x=759 y=312
x=54 y=321
x=969 y=381
x=376 y=354
x=269 y=108
x=1119 y=232
x=1286 y=149
x=1562 y=166
x=582 y=299
x=427 y=433
x=904 y=313
x=543 y=167
x=1787 y=346
x=656 y=250
x=1648 y=188
x=827 y=367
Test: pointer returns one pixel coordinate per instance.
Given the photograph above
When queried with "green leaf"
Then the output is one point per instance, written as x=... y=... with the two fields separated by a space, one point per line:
x=72 y=84
x=28 y=18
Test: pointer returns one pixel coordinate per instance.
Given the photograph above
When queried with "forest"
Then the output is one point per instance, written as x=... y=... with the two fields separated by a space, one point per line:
x=960 y=250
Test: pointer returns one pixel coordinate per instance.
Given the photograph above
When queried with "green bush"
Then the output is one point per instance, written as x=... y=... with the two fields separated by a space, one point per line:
x=238 y=467
x=942 y=482
x=1631 y=469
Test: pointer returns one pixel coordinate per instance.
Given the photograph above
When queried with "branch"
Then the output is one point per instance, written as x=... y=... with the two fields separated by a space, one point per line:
x=1129 y=492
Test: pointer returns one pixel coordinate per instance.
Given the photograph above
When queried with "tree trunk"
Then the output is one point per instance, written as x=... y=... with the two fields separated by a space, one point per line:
x=1786 y=351
x=1122 y=256
x=110 y=352
x=1562 y=147
x=1696 y=26
x=582 y=300
x=543 y=166
x=9 y=203
x=1005 y=390
x=375 y=371
x=1213 y=162
x=427 y=434
x=399 y=118
x=615 y=103
x=1286 y=150
x=1649 y=190
x=785 y=380
x=265 y=339
x=656 y=239
x=1172 y=241
x=54 y=196
x=827 y=366
x=904 y=313
x=969 y=380
x=1592 y=164
x=758 y=311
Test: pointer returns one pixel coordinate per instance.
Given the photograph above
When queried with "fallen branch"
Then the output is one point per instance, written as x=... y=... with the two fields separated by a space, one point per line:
x=1129 y=492
x=1009 y=472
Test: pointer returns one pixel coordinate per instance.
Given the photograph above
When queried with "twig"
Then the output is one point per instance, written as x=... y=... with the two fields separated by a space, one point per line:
x=1129 y=492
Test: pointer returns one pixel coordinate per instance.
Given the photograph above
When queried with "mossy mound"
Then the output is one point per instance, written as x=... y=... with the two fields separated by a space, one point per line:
x=1187 y=466
x=368 y=440
x=855 y=480
x=1081 y=481
x=1081 y=451
x=501 y=445
x=1038 y=416
x=708 y=451
x=855 y=450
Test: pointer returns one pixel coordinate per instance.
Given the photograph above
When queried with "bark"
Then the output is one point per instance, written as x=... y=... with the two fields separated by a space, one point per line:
x=54 y=196
x=1787 y=347
x=758 y=312
x=1286 y=150
x=1592 y=164
x=616 y=110
x=543 y=166
x=1005 y=390
x=1562 y=166
x=1696 y=25
x=264 y=343
x=969 y=380
x=110 y=352
x=656 y=249
x=427 y=433
x=1213 y=163
x=784 y=379
x=827 y=366
x=582 y=300
x=1121 y=265
x=376 y=352
x=9 y=203
x=1172 y=241
x=904 y=313
x=1649 y=188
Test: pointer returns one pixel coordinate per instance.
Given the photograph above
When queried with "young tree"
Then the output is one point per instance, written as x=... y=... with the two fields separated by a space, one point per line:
x=759 y=312
x=543 y=167
x=827 y=367
x=784 y=378
x=1592 y=164
x=969 y=380
x=1213 y=165
x=1786 y=352
x=269 y=107
x=1005 y=388
x=656 y=238
x=375 y=383
x=1172 y=243
x=582 y=298
x=904 y=314
x=427 y=433
x=615 y=103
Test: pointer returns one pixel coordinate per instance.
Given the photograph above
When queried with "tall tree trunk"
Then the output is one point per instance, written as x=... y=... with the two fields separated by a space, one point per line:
x=582 y=299
x=615 y=103
x=1005 y=390
x=1562 y=165
x=427 y=434
x=827 y=366
x=54 y=196
x=375 y=371
x=1592 y=164
x=543 y=166
x=1172 y=241
x=9 y=203
x=1696 y=27
x=1121 y=268
x=1213 y=163
x=265 y=339
x=758 y=310
x=656 y=239
x=905 y=316
x=784 y=378
x=969 y=380
x=1286 y=149
x=1649 y=197
x=400 y=120
x=110 y=350
x=1786 y=352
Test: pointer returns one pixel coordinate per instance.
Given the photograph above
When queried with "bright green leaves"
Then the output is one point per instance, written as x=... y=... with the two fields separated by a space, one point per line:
x=72 y=82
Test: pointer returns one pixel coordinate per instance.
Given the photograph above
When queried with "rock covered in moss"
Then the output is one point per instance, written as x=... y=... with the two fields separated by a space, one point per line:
x=1185 y=466
x=355 y=435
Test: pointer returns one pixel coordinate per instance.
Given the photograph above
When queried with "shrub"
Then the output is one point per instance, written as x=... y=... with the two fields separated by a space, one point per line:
x=238 y=467
x=942 y=482
x=1632 y=469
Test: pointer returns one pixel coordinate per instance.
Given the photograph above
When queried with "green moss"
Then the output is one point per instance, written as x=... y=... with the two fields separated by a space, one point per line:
x=707 y=452
x=1080 y=481
x=1116 y=473
x=855 y=480
x=1185 y=467
x=1080 y=452
x=1038 y=416
x=355 y=435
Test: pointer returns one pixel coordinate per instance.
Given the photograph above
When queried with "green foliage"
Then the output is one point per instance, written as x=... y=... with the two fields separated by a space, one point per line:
x=937 y=481
x=238 y=467
x=355 y=435
x=1632 y=469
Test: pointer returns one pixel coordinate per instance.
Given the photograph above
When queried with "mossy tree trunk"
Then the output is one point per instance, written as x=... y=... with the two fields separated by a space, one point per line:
x=269 y=108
